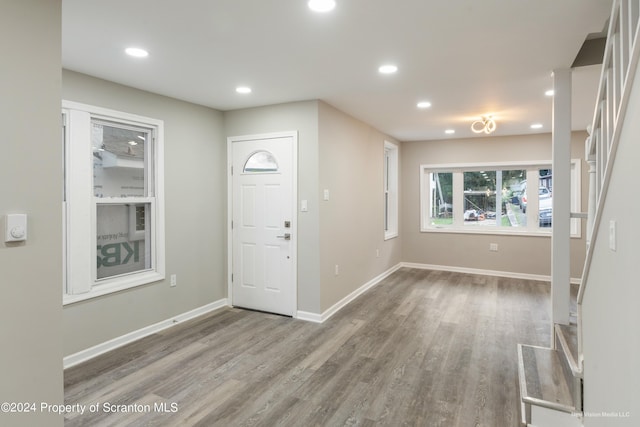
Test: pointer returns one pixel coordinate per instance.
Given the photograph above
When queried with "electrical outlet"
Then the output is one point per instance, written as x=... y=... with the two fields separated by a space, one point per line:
x=174 y=280
x=493 y=247
x=337 y=269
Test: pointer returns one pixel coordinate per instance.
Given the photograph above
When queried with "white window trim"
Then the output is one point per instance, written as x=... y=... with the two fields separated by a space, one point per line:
x=530 y=230
x=80 y=226
x=390 y=190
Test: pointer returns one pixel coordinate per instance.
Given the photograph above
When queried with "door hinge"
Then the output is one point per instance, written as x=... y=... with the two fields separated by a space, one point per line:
x=232 y=278
x=232 y=225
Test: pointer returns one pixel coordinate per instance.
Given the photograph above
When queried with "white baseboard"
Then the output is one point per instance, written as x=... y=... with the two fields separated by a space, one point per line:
x=89 y=353
x=497 y=273
x=319 y=318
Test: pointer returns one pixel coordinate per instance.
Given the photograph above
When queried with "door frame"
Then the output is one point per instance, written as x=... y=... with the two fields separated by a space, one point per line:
x=294 y=194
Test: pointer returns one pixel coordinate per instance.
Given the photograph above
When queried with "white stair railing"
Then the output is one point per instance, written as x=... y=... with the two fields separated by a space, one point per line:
x=620 y=60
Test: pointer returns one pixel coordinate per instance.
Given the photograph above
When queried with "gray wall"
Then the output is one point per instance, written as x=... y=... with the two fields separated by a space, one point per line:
x=31 y=183
x=303 y=118
x=352 y=220
x=195 y=207
x=610 y=316
x=517 y=254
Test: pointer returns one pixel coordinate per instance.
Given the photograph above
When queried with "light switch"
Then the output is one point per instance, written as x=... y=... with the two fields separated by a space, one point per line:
x=15 y=228
x=612 y=235
x=326 y=194
x=303 y=206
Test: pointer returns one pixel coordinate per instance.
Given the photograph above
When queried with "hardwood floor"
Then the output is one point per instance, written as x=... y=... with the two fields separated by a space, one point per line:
x=422 y=348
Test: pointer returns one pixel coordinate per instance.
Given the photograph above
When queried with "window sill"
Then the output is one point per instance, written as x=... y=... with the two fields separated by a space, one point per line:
x=499 y=232
x=389 y=236
x=116 y=285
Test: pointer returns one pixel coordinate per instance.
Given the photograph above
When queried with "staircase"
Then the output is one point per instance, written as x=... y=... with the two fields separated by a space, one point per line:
x=551 y=379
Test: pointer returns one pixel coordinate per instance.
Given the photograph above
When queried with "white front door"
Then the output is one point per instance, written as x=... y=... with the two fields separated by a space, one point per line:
x=263 y=229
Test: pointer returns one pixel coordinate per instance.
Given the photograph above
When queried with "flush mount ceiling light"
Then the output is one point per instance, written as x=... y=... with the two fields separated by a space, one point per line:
x=136 y=52
x=486 y=124
x=424 y=104
x=387 y=69
x=243 y=89
x=321 y=6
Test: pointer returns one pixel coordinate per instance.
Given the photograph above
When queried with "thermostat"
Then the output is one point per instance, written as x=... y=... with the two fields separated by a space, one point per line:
x=15 y=228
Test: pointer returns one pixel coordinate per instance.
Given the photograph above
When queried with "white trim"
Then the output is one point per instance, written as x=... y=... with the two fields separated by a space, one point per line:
x=483 y=272
x=96 y=350
x=390 y=187
x=320 y=318
x=294 y=191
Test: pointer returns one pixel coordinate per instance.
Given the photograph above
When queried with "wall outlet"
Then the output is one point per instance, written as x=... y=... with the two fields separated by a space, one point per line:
x=377 y=253
x=493 y=247
x=337 y=270
x=174 y=280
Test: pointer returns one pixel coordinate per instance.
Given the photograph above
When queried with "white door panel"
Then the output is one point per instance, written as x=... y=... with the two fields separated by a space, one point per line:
x=263 y=209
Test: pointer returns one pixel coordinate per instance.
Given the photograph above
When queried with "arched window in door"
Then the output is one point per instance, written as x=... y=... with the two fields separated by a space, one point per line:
x=260 y=162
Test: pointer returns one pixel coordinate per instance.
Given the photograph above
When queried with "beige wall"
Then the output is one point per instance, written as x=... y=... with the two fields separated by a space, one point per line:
x=303 y=118
x=351 y=221
x=517 y=254
x=31 y=183
x=195 y=209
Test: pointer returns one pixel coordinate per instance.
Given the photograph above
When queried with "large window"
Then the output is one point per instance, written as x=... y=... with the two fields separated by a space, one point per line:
x=114 y=211
x=499 y=198
x=390 y=190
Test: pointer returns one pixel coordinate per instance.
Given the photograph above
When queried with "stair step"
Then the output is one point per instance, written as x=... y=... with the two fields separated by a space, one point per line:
x=542 y=381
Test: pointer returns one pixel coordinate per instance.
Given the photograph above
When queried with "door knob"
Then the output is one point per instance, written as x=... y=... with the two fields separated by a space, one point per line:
x=287 y=236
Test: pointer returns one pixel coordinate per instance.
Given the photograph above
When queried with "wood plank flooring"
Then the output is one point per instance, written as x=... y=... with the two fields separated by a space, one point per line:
x=422 y=348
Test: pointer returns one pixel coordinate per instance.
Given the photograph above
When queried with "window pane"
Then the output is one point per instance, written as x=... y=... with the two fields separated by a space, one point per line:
x=514 y=183
x=123 y=243
x=480 y=198
x=261 y=161
x=118 y=160
x=441 y=198
x=545 y=200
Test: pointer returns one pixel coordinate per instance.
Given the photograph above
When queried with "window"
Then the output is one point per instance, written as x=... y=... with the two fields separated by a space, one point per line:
x=114 y=212
x=261 y=162
x=492 y=198
x=390 y=190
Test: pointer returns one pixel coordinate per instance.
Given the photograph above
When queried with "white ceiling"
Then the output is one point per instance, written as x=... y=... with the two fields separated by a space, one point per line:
x=467 y=57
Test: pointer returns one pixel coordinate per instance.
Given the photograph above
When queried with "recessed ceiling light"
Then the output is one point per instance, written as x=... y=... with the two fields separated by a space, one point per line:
x=550 y=92
x=243 y=89
x=449 y=131
x=424 y=104
x=536 y=126
x=137 y=52
x=388 y=69
x=321 y=5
